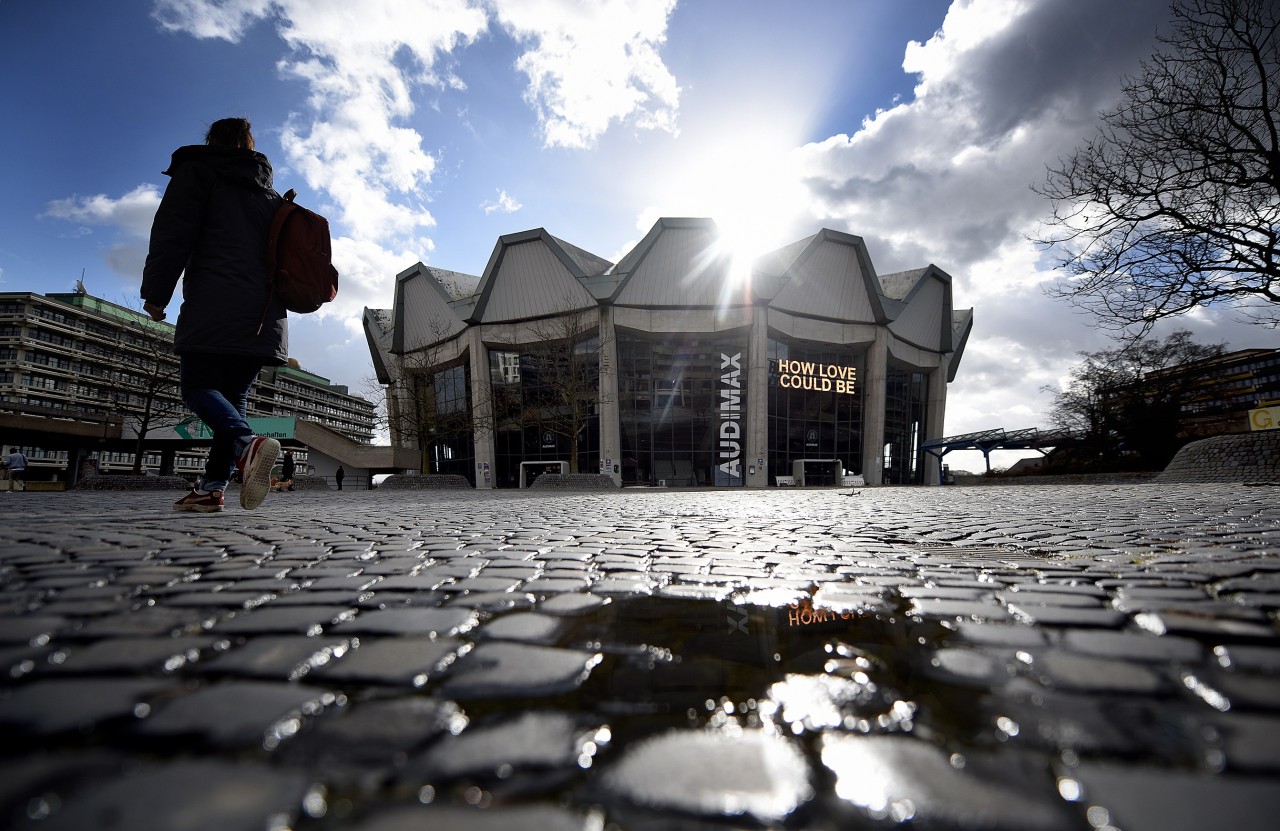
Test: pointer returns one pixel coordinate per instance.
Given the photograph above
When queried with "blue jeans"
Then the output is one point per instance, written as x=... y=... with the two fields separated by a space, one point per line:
x=216 y=388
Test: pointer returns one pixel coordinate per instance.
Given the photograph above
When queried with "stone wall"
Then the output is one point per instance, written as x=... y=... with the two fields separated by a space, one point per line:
x=425 y=481
x=1238 y=457
x=965 y=480
x=575 y=482
x=129 y=482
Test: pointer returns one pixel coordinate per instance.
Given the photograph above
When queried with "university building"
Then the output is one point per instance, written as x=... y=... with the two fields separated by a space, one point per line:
x=75 y=369
x=670 y=367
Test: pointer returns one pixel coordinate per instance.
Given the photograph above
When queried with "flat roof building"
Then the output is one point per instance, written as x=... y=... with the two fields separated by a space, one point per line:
x=77 y=370
x=671 y=367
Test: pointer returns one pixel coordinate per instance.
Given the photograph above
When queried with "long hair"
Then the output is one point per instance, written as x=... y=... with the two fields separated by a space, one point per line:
x=230 y=132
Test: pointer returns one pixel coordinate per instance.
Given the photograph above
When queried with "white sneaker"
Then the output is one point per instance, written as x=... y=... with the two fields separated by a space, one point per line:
x=255 y=470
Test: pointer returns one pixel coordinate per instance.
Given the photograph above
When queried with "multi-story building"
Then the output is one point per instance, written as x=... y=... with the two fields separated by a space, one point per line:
x=671 y=366
x=1222 y=390
x=80 y=372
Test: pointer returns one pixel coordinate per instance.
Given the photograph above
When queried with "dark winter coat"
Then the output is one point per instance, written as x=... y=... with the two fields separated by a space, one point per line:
x=213 y=223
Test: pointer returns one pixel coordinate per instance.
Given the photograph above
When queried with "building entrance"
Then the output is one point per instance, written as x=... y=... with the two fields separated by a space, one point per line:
x=682 y=409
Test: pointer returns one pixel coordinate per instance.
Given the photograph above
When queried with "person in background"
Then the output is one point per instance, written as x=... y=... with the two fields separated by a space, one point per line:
x=287 y=468
x=211 y=229
x=339 y=475
x=16 y=461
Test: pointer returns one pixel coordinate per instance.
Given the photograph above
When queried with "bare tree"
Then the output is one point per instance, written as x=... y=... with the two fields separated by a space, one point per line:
x=1126 y=402
x=1175 y=203
x=560 y=373
x=428 y=399
x=146 y=384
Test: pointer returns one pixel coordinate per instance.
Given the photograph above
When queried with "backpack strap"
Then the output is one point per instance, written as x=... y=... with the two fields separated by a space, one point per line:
x=273 y=244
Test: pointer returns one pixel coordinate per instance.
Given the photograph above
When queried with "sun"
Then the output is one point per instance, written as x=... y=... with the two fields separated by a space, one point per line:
x=749 y=184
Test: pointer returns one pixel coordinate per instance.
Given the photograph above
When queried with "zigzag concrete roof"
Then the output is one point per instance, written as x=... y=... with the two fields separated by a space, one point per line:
x=680 y=264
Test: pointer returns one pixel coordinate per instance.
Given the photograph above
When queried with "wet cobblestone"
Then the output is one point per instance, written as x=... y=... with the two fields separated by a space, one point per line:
x=1055 y=657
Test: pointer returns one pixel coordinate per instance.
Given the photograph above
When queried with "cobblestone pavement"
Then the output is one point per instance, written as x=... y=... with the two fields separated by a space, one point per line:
x=1068 y=657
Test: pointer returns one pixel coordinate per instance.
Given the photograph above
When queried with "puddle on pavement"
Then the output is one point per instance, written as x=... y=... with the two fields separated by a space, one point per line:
x=673 y=663
x=677 y=663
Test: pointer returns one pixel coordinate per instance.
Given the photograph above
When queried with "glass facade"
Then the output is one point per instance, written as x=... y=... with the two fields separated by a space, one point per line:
x=906 y=396
x=447 y=440
x=682 y=408
x=545 y=408
x=815 y=410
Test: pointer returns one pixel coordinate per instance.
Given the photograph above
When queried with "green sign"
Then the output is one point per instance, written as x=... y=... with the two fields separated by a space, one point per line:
x=193 y=429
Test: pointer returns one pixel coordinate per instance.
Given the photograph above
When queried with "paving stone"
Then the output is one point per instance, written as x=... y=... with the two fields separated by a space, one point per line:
x=1143 y=799
x=967 y=666
x=1069 y=671
x=188 y=795
x=373 y=736
x=483 y=584
x=570 y=605
x=1250 y=741
x=149 y=620
x=239 y=714
x=750 y=773
x=270 y=619
x=410 y=621
x=502 y=818
x=1136 y=646
x=56 y=706
x=33 y=629
x=557 y=585
x=1057 y=721
x=283 y=657
x=132 y=654
x=1250 y=658
x=1015 y=635
x=398 y=661
x=1046 y=615
x=504 y=670
x=1033 y=599
x=1187 y=623
x=977 y=593
x=529 y=627
x=901 y=778
x=1249 y=692
x=493 y=601
x=962 y=609
x=496 y=750
x=229 y=599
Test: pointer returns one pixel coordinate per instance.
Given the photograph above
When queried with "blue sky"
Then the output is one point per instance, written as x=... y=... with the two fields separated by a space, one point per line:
x=425 y=129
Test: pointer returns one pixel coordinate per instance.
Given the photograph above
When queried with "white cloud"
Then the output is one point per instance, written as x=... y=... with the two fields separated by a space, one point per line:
x=592 y=64
x=131 y=213
x=364 y=65
x=505 y=204
x=1004 y=88
x=226 y=20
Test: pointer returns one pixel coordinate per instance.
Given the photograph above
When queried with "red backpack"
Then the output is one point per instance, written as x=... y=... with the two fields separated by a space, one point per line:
x=299 y=257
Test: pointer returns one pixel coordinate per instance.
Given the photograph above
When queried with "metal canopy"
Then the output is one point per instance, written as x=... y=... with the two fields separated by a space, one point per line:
x=1030 y=438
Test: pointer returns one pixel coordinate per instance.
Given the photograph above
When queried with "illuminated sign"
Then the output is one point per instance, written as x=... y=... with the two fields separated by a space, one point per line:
x=729 y=471
x=809 y=375
x=1264 y=418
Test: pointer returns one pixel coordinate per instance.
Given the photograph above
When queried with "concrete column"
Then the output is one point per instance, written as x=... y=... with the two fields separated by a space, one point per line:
x=935 y=417
x=610 y=410
x=874 y=391
x=755 y=445
x=481 y=405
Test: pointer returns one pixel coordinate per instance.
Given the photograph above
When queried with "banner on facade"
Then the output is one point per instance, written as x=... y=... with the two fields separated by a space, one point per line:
x=729 y=463
x=193 y=429
x=1265 y=418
